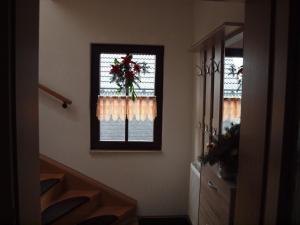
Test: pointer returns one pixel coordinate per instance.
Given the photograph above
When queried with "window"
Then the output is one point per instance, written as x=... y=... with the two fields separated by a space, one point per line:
x=112 y=134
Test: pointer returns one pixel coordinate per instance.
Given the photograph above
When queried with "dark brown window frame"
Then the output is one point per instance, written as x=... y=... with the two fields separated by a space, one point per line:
x=96 y=50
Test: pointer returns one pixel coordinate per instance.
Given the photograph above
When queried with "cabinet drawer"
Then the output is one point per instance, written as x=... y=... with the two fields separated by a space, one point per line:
x=205 y=218
x=212 y=207
x=216 y=199
x=223 y=189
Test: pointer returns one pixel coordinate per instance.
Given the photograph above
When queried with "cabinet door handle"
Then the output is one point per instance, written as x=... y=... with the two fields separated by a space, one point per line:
x=211 y=185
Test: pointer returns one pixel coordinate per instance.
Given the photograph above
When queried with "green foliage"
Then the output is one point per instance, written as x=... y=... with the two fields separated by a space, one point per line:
x=224 y=149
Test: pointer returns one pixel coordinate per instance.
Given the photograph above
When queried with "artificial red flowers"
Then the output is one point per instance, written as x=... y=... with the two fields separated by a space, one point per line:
x=137 y=68
x=115 y=69
x=126 y=74
x=127 y=60
x=129 y=75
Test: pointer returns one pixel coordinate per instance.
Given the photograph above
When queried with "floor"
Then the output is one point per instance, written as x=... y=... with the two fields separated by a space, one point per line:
x=164 y=221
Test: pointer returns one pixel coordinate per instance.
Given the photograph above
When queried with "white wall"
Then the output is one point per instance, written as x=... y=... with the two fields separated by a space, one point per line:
x=208 y=15
x=159 y=181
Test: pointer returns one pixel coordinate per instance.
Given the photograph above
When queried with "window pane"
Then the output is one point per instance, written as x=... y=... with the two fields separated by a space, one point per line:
x=106 y=60
x=109 y=130
x=232 y=87
x=143 y=130
x=232 y=92
x=147 y=84
x=112 y=130
x=140 y=130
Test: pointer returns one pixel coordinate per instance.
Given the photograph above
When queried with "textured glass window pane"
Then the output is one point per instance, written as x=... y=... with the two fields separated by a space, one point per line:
x=112 y=130
x=147 y=84
x=232 y=88
x=140 y=130
x=106 y=60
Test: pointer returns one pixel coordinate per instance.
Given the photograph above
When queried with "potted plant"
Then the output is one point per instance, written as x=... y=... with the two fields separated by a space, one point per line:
x=224 y=151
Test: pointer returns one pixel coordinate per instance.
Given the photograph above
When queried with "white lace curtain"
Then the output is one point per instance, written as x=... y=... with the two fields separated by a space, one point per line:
x=232 y=109
x=119 y=107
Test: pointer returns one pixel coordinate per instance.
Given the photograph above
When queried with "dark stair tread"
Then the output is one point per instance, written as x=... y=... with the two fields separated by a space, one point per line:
x=47 y=184
x=47 y=176
x=100 y=220
x=120 y=211
x=61 y=208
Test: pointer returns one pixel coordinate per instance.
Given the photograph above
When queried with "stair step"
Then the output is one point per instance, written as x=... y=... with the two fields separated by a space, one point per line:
x=119 y=211
x=47 y=185
x=71 y=198
x=59 y=209
x=47 y=176
x=63 y=206
x=52 y=186
x=106 y=215
x=100 y=220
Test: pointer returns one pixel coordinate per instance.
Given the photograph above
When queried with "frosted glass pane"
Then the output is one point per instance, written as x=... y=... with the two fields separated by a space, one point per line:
x=112 y=130
x=140 y=130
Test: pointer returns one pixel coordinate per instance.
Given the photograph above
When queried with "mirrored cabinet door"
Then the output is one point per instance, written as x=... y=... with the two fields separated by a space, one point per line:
x=232 y=81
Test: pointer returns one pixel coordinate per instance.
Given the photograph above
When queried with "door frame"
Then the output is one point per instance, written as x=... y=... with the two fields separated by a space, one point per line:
x=20 y=159
x=267 y=132
x=260 y=157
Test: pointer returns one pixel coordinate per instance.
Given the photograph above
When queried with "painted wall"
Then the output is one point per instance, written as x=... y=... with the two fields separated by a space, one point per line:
x=159 y=181
x=208 y=15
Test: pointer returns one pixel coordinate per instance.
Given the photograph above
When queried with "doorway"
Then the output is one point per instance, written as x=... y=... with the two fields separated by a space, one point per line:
x=22 y=110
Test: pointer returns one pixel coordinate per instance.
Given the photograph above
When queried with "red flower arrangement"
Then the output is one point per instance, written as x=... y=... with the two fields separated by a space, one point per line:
x=127 y=73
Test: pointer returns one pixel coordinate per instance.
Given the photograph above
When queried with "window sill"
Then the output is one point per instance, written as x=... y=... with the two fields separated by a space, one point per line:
x=126 y=146
x=96 y=151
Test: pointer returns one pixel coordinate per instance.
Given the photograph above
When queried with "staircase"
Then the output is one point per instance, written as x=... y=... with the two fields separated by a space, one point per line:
x=70 y=198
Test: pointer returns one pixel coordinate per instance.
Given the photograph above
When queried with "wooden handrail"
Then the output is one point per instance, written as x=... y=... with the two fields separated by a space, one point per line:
x=64 y=100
